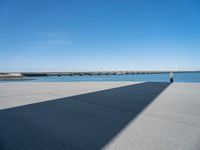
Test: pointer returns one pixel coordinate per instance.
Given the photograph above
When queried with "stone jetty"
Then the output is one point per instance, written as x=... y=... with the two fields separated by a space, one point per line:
x=11 y=76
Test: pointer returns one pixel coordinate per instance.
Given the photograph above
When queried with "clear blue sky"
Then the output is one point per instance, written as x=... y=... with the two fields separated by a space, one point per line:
x=83 y=35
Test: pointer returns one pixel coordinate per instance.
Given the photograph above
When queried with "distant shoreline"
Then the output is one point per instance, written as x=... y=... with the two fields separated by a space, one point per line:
x=161 y=77
x=20 y=75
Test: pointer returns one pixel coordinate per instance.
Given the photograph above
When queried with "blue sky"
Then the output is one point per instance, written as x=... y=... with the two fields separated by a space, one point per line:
x=83 y=35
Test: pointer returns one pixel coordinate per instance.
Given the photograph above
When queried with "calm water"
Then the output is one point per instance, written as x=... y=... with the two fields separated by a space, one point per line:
x=178 y=77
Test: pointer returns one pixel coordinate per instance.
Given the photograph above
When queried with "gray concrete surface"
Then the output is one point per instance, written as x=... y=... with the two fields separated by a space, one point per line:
x=100 y=115
x=18 y=94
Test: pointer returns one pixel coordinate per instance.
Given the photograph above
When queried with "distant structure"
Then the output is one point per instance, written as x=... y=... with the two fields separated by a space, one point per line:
x=10 y=76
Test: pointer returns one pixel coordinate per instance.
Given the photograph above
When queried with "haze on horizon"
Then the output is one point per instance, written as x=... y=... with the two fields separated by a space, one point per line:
x=77 y=35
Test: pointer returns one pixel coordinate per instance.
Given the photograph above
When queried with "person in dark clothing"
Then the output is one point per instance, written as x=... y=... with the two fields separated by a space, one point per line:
x=171 y=76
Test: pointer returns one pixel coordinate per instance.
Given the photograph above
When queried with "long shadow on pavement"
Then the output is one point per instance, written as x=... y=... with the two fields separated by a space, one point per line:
x=82 y=122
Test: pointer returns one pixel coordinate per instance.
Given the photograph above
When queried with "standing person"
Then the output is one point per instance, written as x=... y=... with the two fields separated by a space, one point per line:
x=171 y=76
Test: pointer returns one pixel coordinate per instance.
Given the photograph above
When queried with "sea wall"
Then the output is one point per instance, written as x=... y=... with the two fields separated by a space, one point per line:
x=10 y=76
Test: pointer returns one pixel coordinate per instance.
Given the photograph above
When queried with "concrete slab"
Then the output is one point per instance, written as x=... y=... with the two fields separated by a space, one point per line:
x=100 y=115
x=18 y=94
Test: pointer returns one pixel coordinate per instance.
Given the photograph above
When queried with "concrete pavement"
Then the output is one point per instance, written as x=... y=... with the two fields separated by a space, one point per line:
x=100 y=115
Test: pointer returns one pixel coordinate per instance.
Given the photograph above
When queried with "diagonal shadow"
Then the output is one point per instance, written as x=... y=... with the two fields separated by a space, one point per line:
x=85 y=122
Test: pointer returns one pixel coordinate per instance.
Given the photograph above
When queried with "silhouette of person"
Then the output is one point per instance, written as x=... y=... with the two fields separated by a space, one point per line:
x=171 y=76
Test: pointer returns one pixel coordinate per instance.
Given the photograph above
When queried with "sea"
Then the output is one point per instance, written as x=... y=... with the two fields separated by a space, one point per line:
x=178 y=77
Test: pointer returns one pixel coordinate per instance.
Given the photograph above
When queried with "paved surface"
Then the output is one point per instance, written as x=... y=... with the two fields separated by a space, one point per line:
x=100 y=115
x=18 y=94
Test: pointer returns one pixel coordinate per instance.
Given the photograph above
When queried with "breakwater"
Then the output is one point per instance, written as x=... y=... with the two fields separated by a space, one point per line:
x=102 y=76
x=11 y=76
x=46 y=74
